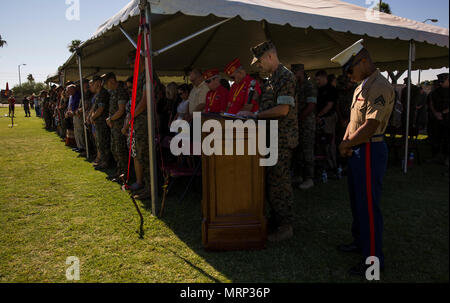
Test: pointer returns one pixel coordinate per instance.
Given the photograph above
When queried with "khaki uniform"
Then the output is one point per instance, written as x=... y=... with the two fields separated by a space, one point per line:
x=197 y=96
x=372 y=99
x=280 y=89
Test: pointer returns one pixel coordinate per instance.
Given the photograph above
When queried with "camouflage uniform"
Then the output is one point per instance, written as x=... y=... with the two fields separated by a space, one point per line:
x=118 y=140
x=280 y=89
x=141 y=132
x=102 y=132
x=306 y=93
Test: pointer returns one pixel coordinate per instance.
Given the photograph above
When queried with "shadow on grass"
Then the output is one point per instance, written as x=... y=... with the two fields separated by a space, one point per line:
x=322 y=221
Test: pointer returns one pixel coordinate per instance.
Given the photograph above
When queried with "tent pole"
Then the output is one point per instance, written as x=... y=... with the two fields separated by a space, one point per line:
x=82 y=104
x=162 y=50
x=150 y=112
x=127 y=36
x=408 y=102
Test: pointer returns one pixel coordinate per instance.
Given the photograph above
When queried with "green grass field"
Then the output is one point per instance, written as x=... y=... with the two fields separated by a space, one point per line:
x=54 y=205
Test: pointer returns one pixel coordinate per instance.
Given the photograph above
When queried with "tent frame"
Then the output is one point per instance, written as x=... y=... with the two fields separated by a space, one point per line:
x=408 y=106
x=145 y=8
x=82 y=104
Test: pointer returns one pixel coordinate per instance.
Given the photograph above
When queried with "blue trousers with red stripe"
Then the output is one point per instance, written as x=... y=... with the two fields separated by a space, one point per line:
x=367 y=167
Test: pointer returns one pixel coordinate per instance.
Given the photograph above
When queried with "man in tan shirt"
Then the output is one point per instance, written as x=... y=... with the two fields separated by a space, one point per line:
x=363 y=143
x=197 y=96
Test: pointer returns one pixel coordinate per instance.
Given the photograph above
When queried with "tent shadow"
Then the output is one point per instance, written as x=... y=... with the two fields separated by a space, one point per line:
x=310 y=255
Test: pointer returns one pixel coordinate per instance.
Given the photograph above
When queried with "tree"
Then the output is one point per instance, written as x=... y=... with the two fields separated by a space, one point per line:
x=74 y=45
x=30 y=78
x=28 y=88
x=385 y=8
x=395 y=77
x=2 y=42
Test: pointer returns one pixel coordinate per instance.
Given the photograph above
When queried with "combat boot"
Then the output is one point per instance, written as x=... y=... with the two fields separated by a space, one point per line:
x=283 y=232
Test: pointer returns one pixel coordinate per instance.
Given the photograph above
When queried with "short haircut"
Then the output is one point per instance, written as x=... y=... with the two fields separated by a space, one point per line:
x=197 y=71
x=184 y=88
x=130 y=79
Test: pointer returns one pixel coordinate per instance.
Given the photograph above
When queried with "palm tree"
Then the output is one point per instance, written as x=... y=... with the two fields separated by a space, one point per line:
x=385 y=8
x=30 y=78
x=74 y=45
x=2 y=42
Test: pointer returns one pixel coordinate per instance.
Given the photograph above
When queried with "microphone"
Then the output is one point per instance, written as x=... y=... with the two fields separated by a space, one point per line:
x=252 y=91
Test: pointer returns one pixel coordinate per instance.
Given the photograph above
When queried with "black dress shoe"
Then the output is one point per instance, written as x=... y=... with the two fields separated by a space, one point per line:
x=360 y=269
x=349 y=248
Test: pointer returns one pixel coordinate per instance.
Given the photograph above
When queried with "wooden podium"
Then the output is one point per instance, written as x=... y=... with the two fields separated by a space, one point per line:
x=233 y=197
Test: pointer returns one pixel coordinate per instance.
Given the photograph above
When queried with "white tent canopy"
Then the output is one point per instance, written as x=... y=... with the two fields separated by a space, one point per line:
x=309 y=32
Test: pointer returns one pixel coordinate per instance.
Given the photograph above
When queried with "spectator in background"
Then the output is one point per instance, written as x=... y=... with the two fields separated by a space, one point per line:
x=12 y=103
x=326 y=114
x=198 y=93
x=26 y=106
x=331 y=78
x=421 y=111
x=60 y=112
x=345 y=89
x=173 y=100
x=126 y=131
x=415 y=96
x=68 y=115
x=78 y=124
x=183 y=107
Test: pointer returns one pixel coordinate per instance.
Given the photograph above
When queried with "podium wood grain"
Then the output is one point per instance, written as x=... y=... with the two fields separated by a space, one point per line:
x=233 y=198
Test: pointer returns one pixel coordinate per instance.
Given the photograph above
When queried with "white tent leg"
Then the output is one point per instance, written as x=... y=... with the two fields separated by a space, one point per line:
x=150 y=113
x=82 y=104
x=408 y=108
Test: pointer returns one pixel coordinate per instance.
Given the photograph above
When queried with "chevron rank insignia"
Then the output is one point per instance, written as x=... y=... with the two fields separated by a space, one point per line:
x=380 y=100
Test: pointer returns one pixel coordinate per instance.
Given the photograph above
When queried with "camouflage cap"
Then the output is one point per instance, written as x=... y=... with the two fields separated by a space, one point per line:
x=107 y=76
x=97 y=78
x=442 y=77
x=260 y=49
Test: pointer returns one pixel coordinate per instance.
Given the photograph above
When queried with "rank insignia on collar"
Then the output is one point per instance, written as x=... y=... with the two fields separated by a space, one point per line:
x=380 y=100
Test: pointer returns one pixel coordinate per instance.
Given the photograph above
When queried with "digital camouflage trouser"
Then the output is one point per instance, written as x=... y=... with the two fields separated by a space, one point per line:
x=279 y=188
x=307 y=136
x=119 y=149
x=103 y=141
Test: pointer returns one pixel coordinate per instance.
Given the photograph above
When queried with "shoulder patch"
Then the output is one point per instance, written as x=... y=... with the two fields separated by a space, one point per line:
x=380 y=100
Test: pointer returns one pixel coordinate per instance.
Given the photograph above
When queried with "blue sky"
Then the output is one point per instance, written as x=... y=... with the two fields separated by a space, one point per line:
x=38 y=32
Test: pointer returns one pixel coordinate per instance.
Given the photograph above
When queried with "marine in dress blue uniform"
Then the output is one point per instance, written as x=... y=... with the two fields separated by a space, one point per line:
x=364 y=144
